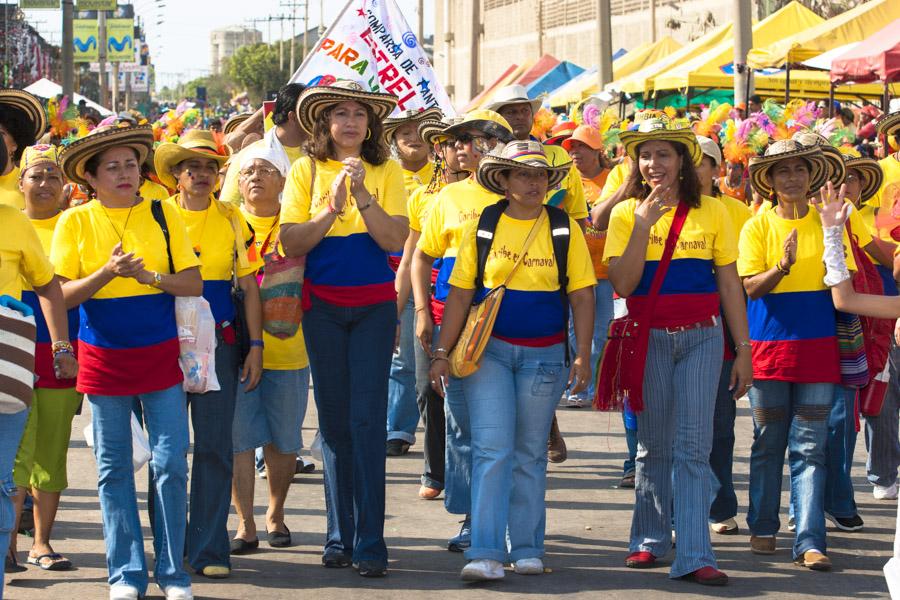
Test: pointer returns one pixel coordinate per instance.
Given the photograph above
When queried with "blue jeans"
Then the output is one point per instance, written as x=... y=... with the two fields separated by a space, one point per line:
x=882 y=435
x=403 y=411
x=793 y=417
x=11 y=428
x=212 y=414
x=431 y=409
x=839 y=499
x=350 y=358
x=603 y=314
x=165 y=415
x=721 y=458
x=272 y=412
x=458 y=462
x=511 y=400
x=674 y=440
x=631 y=440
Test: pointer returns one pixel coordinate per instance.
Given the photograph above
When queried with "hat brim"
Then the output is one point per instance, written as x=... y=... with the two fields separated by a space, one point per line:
x=490 y=168
x=431 y=131
x=889 y=124
x=872 y=176
x=31 y=108
x=489 y=128
x=496 y=106
x=168 y=154
x=234 y=122
x=313 y=101
x=557 y=140
x=822 y=169
x=72 y=158
x=391 y=125
x=631 y=140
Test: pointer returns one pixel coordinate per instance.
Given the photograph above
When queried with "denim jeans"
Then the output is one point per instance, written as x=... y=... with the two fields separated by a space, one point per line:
x=431 y=409
x=631 y=440
x=603 y=314
x=458 y=454
x=11 y=428
x=839 y=497
x=350 y=358
x=511 y=400
x=212 y=414
x=793 y=417
x=882 y=435
x=403 y=411
x=674 y=440
x=721 y=458
x=165 y=415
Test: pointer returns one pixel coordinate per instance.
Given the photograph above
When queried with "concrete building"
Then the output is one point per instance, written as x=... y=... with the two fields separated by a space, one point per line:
x=507 y=32
x=223 y=43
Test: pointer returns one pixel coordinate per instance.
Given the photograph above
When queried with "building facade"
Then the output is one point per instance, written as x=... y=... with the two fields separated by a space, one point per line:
x=223 y=43
x=477 y=40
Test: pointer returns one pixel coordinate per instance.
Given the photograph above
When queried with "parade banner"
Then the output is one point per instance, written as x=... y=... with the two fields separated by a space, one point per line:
x=29 y=4
x=268 y=109
x=84 y=33
x=120 y=40
x=95 y=5
x=371 y=43
x=140 y=80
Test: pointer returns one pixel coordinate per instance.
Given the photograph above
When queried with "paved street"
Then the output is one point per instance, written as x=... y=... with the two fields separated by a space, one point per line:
x=587 y=531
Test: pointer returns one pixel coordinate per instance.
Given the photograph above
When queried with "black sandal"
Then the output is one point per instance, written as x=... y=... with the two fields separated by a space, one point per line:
x=280 y=539
x=239 y=546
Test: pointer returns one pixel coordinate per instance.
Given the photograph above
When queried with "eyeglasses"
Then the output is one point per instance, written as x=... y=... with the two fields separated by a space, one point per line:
x=466 y=138
x=261 y=171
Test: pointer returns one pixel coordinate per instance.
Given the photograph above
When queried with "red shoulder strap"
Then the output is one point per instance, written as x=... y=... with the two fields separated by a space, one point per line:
x=677 y=223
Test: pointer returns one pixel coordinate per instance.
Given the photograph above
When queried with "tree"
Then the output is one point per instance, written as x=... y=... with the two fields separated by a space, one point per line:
x=256 y=68
x=219 y=90
x=824 y=8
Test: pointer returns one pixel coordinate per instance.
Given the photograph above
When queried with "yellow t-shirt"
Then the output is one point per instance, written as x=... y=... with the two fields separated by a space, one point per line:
x=532 y=312
x=22 y=257
x=212 y=238
x=569 y=194
x=347 y=267
x=9 y=190
x=890 y=166
x=615 y=179
x=415 y=179
x=738 y=211
x=231 y=190
x=419 y=206
x=278 y=354
x=689 y=292
x=128 y=343
x=150 y=190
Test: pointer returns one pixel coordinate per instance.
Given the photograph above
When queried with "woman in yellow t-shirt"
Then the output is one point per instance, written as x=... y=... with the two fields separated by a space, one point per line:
x=219 y=236
x=511 y=398
x=117 y=263
x=346 y=217
x=22 y=122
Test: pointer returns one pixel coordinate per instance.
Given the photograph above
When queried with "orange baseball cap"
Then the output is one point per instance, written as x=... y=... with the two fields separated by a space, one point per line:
x=587 y=135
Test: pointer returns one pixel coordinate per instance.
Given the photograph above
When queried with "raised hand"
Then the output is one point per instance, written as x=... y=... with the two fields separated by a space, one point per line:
x=339 y=192
x=356 y=171
x=790 y=250
x=831 y=206
x=651 y=209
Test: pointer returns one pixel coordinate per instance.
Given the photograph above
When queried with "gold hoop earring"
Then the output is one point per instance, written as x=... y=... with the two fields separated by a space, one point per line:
x=368 y=133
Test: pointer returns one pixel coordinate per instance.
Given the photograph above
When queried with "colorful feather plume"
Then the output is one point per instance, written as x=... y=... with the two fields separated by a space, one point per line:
x=63 y=117
x=544 y=120
x=711 y=119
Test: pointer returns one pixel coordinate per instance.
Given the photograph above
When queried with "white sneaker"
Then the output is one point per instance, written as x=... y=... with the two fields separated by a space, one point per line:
x=482 y=570
x=529 y=566
x=123 y=591
x=176 y=592
x=885 y=493
x=574 y=402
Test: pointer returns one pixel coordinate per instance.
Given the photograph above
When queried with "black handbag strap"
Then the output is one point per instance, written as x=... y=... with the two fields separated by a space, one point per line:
x=159 y=215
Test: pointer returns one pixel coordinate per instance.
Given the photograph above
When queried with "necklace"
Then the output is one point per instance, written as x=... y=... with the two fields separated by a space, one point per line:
x=202 y=227
x=121 y=236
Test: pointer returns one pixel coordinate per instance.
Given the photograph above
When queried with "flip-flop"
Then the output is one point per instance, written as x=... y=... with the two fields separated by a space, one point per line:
x=52 y=561
x=280 y=539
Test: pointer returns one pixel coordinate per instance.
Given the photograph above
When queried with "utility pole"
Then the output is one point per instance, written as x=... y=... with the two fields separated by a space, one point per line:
x=321 y=18
x=115 y=87
x=476 y=42
x=101 y=35
x=743 y=41
x=652 y=21
x=305 y=28
x=420 y=28
x=68 y=43
x=604 y=56
x=293 y=5
x=539 y=15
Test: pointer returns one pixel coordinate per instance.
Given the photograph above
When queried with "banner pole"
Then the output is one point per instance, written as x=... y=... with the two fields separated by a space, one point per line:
x=319 y=41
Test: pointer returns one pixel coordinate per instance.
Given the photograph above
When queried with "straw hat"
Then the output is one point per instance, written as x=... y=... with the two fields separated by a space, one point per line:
x=391 y=124
x=316 y=99
x=527 y=154
x=31 y=110
x=821 y=170
x=871 y=175
x=661 y=129
x=234 y=122
x=73 y=157
x=560 y=133
x=889 y=124
x=432 y=130
x=490 y=123
x=196 y=143
x=710 y=148
x=812 y=138
x=512 y=94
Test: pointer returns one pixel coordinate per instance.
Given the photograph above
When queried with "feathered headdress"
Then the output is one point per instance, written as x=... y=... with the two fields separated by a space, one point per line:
x=172 y=125
x=544 y=120
x=742 y=140
x=711 y=119
x=63 y=117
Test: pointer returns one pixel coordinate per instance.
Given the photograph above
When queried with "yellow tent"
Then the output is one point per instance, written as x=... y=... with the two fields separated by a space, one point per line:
x=854 y=25
x=815 y=84
x=706 y=70
x=640 y=80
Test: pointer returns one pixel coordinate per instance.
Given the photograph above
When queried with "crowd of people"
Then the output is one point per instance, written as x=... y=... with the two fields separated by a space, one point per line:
x=471 y=272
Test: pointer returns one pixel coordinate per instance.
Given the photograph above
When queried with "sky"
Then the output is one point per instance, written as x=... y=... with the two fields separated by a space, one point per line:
x=180 y=46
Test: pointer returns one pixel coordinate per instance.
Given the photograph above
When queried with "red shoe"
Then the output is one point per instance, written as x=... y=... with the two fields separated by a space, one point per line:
x=640 y=560
x=708 y=576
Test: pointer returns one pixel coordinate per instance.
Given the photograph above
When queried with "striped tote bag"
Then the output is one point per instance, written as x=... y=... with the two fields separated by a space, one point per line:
x=17 y=335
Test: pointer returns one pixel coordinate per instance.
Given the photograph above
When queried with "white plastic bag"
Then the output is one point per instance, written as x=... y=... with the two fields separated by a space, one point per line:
x=140 y=445
x=197 y=339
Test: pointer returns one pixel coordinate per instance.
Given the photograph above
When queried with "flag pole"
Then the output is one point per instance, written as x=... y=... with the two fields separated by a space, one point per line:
x=322 y=39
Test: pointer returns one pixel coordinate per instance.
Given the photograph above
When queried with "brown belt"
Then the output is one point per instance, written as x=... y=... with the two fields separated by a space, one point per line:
x=710 y=322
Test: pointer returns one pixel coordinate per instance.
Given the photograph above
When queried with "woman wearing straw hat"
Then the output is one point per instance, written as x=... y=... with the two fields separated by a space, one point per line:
x=41 y=458
x=685 y=348
x=22 y=122
x=511 y=398
x=345 y=208
x=113 y=256
x=402 y=135
x=219 y=236
x=24 y=261
x=796 y=363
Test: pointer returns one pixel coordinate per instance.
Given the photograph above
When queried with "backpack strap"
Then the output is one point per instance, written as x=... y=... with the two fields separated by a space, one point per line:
x=484 y=236
x=159 y=215
x=560 y=234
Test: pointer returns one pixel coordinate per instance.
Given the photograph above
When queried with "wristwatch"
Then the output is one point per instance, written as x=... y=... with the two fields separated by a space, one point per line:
x=157 y=280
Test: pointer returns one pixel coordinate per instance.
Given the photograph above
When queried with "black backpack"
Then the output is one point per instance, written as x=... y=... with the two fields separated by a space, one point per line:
x=560 y=235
